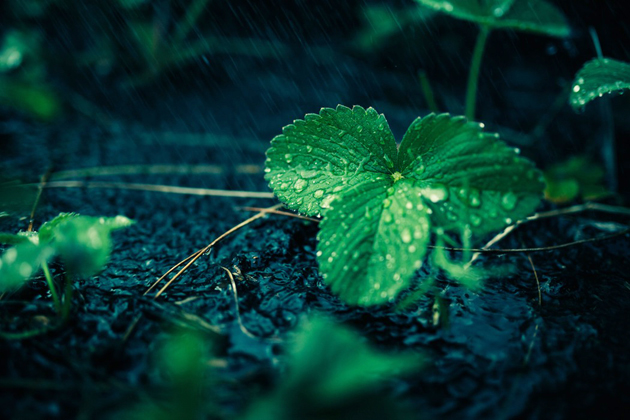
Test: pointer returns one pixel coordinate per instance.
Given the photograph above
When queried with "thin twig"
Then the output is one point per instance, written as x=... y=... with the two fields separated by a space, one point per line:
x=171 y=189
x=171 y=270
x=531 y=262
x=531 y=347
x=155 y=169
x=282 y=213
x=546 y=248
x=213 y=243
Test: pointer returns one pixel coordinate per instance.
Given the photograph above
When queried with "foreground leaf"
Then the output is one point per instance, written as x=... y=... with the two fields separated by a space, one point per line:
x=536 y=16
x=334 y=374
x=376 y=234
x=597 y=78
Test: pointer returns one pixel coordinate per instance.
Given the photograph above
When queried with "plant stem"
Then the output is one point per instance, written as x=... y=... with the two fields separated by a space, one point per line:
x=67 y=298
x=475 y=65
x=427 y=91
x=51 y=286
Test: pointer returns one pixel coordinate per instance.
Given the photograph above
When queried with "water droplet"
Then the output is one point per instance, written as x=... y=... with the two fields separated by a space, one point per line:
x=387 y=217
x=388 y=162
x=308 y=174
x=475 y=220
x=319 y=193
x=300 y=184
x=576 y=88
x=409 y=205
x=309 y=148
x=386 y=203
x=405 y=235
x=508 y=201
x=326 y=201
x=288 y=157
x=411 y=249
x=435 y=193
x=359 y=128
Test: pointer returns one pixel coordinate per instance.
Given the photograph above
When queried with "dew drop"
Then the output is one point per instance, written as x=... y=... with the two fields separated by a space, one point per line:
x=300 y=185
x=288 y=158
x=319 y=193
x=405 y=235
x=508 y=201
x=309 y=148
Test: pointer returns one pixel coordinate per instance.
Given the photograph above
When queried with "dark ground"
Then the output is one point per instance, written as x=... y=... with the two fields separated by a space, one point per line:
x=502 y=355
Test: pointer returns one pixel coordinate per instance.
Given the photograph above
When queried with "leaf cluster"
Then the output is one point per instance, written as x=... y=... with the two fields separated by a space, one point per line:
x=380 y=203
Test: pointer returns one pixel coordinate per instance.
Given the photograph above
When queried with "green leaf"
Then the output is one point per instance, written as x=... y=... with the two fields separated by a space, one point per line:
x=380 y=203
x=21 y=262
x=536 y=16
x=466 y=176
x=597 y=78
x=315 y=158
x=375 y=234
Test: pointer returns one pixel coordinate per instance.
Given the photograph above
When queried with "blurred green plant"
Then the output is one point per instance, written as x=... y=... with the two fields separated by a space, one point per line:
x=22 y=76
x=536 y=16
x=182 y=361
x=381 y=203
x=333 y=374
x=82 y=243
x=577 y=177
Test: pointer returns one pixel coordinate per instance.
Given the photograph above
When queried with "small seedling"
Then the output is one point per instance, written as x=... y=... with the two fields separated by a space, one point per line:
x=82 y=243
x=381 y=202
x=537 y=16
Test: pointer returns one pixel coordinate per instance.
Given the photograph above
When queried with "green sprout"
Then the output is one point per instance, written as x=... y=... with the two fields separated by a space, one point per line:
x=380 y=203
x=83 y=244
x=536 y=16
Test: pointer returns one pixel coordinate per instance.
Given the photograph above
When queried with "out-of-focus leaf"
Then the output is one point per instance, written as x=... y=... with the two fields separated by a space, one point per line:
x=597 y=78
x=334 y=374
x=538 y=16
x=83 y=242
x=21 y=262
x=576 y=177
x=38 y=101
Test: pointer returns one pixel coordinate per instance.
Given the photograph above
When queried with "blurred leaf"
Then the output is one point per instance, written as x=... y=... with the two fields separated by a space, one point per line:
x=576 y=177
x=183 y=360
x=83 y=242
x=47 y=230
x=21 y=262
x=538 y=16
x=38 y=101
x=333 y=374
x=597 y=78
x=381 y=22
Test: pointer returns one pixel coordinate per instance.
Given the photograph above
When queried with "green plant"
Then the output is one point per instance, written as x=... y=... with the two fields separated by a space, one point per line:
x=537 y=16
x=380 y=203
x=83 y=244
x=334 y=374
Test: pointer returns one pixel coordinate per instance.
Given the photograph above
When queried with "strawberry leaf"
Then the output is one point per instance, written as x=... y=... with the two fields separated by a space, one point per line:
x=380 y=203
x=597 y=78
